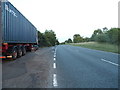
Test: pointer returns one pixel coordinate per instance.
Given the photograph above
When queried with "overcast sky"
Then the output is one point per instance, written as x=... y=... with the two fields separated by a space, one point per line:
x=69 y=17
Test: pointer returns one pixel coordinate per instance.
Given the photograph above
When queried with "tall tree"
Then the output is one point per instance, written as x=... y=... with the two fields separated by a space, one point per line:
x=95 y=33
x=50 y=37
x=77 y=38
x=114 y=35
x=69 y=40
x=57 y=42
x=41 y=39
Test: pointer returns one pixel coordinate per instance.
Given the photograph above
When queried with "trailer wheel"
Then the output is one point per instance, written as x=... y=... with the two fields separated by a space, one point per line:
x=19 y=52
x=23 y=51
x=14 y=54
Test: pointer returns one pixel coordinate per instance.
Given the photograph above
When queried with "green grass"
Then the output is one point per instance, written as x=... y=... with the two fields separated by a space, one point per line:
x=98 y=46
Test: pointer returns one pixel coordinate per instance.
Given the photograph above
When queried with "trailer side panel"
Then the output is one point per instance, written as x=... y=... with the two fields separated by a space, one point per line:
x=16 y=28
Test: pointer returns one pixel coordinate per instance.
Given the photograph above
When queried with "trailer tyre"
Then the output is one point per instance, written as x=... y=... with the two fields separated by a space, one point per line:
x=23 y=51
x=19 y=52
x=14 y=54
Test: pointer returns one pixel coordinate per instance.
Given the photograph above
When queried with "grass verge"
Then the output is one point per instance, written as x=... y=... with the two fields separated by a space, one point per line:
x=98 y=46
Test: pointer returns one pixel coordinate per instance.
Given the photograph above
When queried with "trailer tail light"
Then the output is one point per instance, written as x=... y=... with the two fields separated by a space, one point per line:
x=2 y=57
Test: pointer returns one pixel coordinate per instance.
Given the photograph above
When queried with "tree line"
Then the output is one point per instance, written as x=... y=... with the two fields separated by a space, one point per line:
x=48 y=38
x=106 y=35
x=77 y=38
x=100 y=35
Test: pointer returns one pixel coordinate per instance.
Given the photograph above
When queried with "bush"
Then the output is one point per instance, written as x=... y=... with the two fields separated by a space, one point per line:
x=101 y=38
x=110 y=36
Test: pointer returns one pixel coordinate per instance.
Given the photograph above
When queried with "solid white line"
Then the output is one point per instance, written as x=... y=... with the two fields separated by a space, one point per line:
x=109 y=62
x=54 y=59
x=54 y=65
x=55 y=80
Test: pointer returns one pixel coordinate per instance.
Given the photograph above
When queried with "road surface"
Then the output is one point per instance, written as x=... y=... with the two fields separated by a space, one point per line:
x=34 y=70
x=78 y=67
x=62 y=66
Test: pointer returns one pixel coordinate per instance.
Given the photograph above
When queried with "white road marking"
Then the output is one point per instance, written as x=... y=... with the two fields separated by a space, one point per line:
x=54 y=65
x=55 y=80
x=54 y=75
x=54 y=59
x=109 y=62
x=54 y=55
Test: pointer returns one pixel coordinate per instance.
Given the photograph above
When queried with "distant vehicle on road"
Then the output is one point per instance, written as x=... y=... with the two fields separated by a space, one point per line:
x=18 y=33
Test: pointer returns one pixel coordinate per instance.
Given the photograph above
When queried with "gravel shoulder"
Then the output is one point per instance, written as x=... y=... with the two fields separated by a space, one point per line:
x=34 y=70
